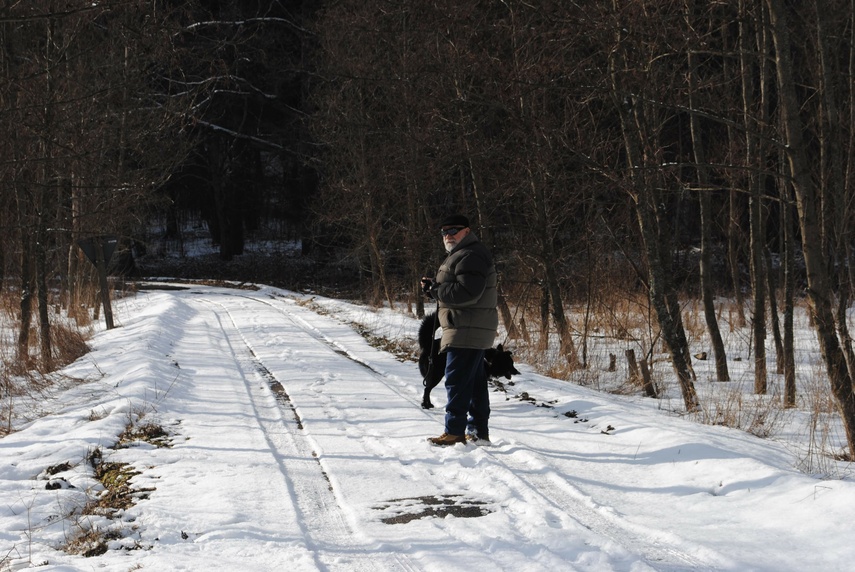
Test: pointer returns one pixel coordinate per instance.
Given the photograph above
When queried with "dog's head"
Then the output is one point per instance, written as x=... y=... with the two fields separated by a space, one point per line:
x=500 y=362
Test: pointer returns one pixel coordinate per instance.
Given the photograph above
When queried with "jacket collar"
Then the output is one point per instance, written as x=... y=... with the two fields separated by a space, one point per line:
x=467 y=240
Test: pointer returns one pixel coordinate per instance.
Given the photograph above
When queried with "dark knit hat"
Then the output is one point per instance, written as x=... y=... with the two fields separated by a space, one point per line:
x=455 y=220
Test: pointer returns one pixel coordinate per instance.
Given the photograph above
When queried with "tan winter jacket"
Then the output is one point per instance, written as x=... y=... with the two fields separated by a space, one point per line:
x=466 y=292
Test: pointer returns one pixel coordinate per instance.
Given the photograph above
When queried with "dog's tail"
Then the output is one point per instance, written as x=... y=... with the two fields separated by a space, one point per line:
x=427 y=331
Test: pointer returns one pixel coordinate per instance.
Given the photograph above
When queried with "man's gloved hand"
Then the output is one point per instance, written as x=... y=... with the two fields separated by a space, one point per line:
x=427 y=285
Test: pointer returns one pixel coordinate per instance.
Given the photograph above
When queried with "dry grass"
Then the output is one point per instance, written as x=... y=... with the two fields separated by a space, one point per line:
x=149 y=432
x=67 y=340
x=27 y=373
x=68 y=344
x=732 y=406
x=98 y=523
x=820 y=454
x=621 y=316
x=618 y=321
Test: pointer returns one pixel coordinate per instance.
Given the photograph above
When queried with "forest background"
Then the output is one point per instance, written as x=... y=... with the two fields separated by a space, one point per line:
x=626 y=161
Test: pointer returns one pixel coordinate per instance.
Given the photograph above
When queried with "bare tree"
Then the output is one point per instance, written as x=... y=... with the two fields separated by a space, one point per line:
x=641 y=124
x=754 y=183
x=809 y=199
x=837 y=204
x=788 y=342
x=705 y=201
x=92 y=131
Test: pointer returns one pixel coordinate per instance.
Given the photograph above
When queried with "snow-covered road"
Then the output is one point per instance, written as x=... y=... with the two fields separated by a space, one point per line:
x=359 y=472
x=296 y=446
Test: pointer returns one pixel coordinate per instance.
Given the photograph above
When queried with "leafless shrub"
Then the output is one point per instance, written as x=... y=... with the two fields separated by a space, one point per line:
x=31 y=375
x=693 y=321
x=819 y=456
x=621 y=315
x=68 y=343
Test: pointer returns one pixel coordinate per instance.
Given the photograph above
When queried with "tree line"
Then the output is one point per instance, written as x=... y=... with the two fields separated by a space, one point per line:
x=670 y=149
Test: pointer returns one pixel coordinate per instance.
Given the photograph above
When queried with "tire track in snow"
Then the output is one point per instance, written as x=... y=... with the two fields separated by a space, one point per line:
x=328 y=534
x=662 y=551
x=546 y=558
x=542 y=481
x=334 y=346
x=374 y=442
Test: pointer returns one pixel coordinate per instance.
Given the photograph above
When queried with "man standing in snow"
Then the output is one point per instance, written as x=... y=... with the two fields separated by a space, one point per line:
x=465 y=290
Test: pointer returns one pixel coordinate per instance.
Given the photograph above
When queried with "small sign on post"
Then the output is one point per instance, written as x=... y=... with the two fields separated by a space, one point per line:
x=89 y=246
x=99 y=250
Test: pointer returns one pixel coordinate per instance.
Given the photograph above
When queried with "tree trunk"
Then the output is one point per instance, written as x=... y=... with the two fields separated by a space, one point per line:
x=635 y=127
x=41 y=215
x=807 y=198
x=789 y=248
x=415 y=250
x=836 y=210
x=42 y=286
x=104 y=284
x=666 y=318
x=755 y=207
x=26 y=307
x=73 y=270
x=543 y=340
x=733 y=214
x=772 y=293
x=378 y=265
x=589 y=302
x=722 y=373
x=547 y=258
x=505 y=312
x=706 y=238
x=733 y=242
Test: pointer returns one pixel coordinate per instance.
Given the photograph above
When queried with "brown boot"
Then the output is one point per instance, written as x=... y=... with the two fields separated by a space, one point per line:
x=447 y=439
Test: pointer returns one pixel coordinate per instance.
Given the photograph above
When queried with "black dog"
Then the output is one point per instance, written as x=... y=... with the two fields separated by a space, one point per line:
x=498 y=362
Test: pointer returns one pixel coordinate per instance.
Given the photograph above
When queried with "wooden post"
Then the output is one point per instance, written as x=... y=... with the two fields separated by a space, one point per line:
x=646 y=382
x=101 y=265
x=640 y=374
x=634 y=376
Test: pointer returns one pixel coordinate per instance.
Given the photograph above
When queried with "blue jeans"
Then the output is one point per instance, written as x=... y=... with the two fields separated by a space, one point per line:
x=468 y=396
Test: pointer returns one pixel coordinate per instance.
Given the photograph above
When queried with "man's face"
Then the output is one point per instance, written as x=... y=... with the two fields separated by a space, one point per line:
x=452 y=235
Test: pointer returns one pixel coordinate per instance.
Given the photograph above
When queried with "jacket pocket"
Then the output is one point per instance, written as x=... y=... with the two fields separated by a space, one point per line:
x=452 y=319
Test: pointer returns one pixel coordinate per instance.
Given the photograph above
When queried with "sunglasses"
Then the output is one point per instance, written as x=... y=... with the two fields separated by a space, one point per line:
x=451 y=231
